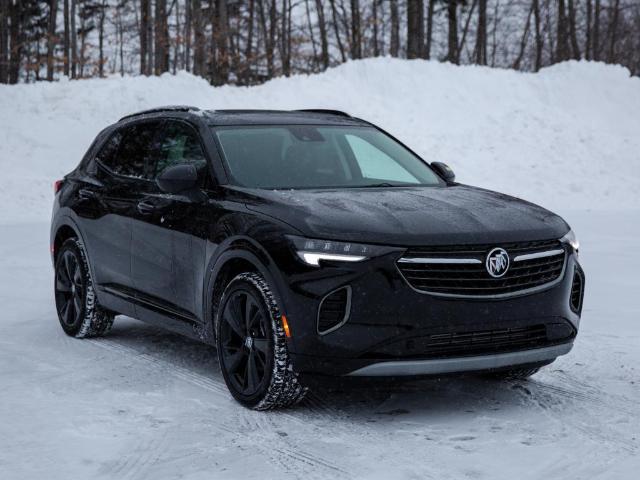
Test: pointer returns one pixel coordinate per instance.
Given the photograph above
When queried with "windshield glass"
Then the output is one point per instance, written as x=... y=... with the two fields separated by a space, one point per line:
x=307 y=156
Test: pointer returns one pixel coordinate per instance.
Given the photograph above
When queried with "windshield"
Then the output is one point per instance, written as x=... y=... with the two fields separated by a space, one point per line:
x=307 y=156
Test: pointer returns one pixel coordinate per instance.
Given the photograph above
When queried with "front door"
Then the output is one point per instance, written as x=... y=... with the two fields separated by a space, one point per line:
x=167 y=254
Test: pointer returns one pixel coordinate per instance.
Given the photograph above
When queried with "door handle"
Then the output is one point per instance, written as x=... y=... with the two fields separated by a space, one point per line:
x=146 y=208
x=86 y=194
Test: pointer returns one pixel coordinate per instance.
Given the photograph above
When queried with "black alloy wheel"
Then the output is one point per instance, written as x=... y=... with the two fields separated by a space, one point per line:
x=70 y=290
x=246 y=342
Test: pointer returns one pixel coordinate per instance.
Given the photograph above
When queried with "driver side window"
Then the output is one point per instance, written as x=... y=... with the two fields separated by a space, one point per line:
x=180 y=144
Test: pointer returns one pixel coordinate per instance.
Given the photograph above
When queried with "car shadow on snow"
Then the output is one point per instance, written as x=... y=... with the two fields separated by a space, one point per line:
x=367 y=400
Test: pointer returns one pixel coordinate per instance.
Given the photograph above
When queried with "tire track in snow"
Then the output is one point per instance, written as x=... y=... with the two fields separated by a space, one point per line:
x=285 y=452
x=535 y=392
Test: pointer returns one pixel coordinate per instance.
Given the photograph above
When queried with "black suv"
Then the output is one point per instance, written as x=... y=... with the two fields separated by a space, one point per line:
x=305 y=243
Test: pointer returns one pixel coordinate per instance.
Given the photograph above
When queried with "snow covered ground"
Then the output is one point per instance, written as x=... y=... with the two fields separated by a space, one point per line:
x=142 y=403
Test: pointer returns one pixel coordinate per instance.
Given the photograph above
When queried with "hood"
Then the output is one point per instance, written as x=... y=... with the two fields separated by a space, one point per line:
x=407 y=216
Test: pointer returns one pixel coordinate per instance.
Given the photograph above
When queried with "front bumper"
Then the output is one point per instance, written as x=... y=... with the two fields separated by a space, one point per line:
x=441 y=366
x=390 y=325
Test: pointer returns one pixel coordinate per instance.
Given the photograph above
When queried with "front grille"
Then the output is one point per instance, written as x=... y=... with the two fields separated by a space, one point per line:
x=577 y=290
x=334 y=310
x=448 y=276
x=461 y=343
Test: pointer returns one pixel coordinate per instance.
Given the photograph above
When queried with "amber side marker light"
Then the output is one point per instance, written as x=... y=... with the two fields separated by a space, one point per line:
x=285 y=325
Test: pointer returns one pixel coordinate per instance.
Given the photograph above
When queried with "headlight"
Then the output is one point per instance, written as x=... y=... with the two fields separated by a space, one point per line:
x=572 y=240
x=312 y=251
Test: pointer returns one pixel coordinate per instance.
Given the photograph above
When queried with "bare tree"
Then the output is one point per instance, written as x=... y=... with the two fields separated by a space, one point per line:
x=356 y=42
x=66 y=39
x=161 y=34
x=322 y=26
x=481 y=34
x=572 y=31
x=562 y=45
x=415 y=28
x=144 y=27
x=4 y=41
x=596 y=32
x=535 y=6
x=336 y=28
x=613 y=30
x=427 y=47
x=394 y=45
x=452 y=38
x=51 y=37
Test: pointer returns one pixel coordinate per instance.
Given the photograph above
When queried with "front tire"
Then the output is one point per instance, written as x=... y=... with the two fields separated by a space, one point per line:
x=79 y=314
x=252 y=346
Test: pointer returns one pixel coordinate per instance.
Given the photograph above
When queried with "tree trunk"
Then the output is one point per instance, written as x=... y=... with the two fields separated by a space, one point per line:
x=273 y=13
x=539 y=40
x=374 y=13
x=427 y=48
x=198 y=38
x=452 y=39
x=248 y=52
x=613 y=28
x=481 y=34
x=161 y=38
x=572 y=31
x=523 y=42
x=51 y=37
x=415 y=28
x=285 y=38
x=562 y=46
x=65 y=45
x=322 y=25
x=74 y=41
x=596 y=32
x=465 y=30
x=588 y=40
x=144 y=37
x=336 y=27
x=186 y=59
x=394 y=46
x=101 y=60
x=4 y=41
x=222 y=43
x=356 y=43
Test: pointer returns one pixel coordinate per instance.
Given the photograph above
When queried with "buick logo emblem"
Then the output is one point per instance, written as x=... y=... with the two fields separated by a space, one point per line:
x=497 y=262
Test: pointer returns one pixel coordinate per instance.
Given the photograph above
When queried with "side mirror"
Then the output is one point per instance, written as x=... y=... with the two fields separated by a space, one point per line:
x=444 y=171
x=177 y=178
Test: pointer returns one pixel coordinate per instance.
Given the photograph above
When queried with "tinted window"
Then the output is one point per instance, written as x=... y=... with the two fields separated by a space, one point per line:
x=297 y=156
x=375 y=164
x=179 y=144
x=108 y=152
x=132 y=150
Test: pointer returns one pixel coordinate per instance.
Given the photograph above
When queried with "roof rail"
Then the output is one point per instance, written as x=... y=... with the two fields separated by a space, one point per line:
x=169 y=108
x=325 y=111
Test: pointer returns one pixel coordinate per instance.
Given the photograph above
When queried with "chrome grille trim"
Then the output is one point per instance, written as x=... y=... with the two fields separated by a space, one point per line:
x=440 y=260
x=417 y=273
x=531 y=256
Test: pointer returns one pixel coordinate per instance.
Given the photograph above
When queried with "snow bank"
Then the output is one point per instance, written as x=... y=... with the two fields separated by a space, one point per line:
x=566 y=137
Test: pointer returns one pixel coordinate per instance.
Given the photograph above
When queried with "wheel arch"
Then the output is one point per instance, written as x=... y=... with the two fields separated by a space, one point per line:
x=234 y=256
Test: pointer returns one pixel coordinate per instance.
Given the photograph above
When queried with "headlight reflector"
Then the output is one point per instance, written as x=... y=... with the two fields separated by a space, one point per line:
x=312 y=251
x=571 y=239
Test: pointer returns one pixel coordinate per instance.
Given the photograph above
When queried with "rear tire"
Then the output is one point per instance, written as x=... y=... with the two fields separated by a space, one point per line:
x=252 y=346
x=78 y=311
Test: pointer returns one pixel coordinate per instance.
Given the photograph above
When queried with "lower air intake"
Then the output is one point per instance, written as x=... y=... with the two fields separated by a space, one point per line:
x=334 y=310
x=577 y=290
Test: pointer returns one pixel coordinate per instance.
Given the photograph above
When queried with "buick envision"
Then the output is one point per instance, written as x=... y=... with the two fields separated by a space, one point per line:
x=305 y=243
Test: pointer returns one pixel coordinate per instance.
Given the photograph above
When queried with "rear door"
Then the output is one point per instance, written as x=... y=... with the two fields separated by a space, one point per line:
x=108 y=200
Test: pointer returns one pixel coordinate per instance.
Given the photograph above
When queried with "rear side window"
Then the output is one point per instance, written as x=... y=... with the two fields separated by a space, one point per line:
x=180 y=144
x=131 y=151
x=108 y=152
